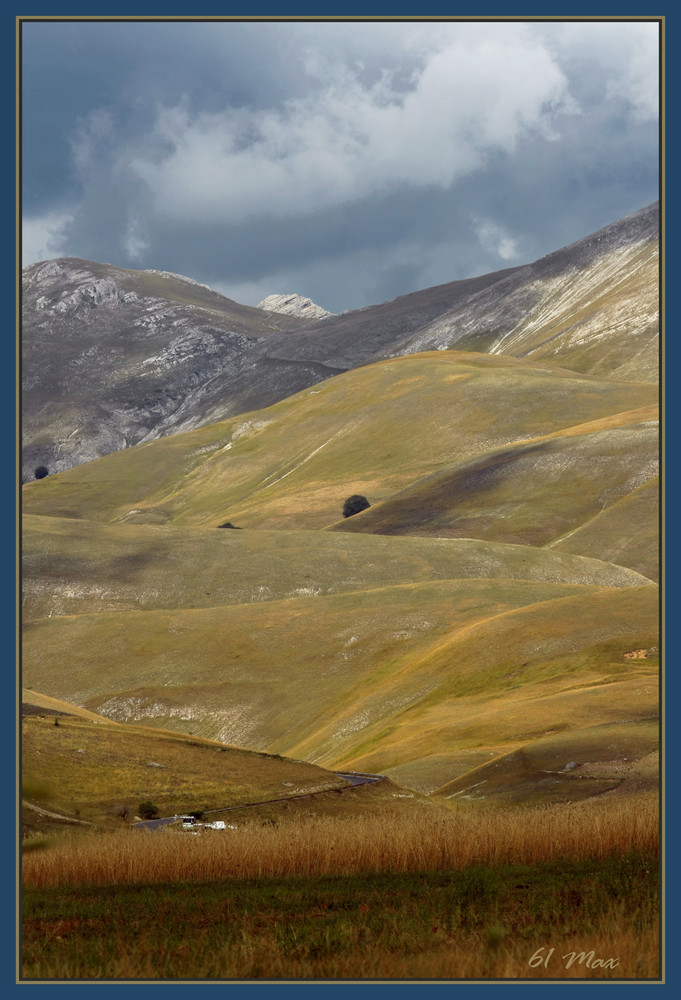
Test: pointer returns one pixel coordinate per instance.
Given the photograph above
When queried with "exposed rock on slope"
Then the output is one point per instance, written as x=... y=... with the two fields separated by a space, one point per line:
x=112 y=357
x=592 y=307
x=294 y=305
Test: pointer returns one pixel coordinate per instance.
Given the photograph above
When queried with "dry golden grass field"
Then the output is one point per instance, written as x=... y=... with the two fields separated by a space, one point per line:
x=485 y=635
x=406 y=890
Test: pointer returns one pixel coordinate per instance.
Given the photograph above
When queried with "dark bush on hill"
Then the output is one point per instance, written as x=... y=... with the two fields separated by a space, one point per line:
x=41 y=472
x=147 y=810
x=354 y=504
x=228 y=524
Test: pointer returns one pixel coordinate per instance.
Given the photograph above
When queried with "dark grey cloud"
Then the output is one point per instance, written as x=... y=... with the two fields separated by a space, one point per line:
x=347 y=162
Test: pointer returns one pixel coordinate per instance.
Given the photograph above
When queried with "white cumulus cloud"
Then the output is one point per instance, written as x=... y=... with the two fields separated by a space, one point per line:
x=477 y=94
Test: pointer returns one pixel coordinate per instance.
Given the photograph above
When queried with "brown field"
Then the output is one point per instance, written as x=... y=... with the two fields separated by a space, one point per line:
x=428 y=839
x=412 y=891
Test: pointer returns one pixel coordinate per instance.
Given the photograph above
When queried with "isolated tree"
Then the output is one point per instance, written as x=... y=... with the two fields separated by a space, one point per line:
x=41 y=472
x=354 y=504
x=147 y=810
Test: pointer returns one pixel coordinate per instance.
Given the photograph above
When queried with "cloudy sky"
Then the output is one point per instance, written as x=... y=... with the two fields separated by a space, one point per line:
x=348 y=162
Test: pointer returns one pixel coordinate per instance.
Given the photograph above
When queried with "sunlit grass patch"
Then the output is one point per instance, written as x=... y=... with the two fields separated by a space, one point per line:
x=431 y=838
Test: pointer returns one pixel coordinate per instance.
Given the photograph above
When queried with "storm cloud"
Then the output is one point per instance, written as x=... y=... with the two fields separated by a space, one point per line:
x=348 y=162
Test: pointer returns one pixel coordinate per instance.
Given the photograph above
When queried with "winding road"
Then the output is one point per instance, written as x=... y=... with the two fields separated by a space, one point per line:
x=354 y=778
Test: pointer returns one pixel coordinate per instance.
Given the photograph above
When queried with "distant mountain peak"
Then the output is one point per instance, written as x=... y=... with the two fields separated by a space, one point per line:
x=294 y=305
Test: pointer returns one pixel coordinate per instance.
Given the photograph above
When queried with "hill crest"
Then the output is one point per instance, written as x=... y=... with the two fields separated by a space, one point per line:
x=113 y=357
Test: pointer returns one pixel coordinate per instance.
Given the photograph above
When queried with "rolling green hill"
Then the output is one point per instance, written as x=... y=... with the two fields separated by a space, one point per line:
x=369 y=678
x=539 y=492
x=494 y=610
x=80 y=567
x=90 y=770
x=375 y=431
x=611 y=757
x=625 y=533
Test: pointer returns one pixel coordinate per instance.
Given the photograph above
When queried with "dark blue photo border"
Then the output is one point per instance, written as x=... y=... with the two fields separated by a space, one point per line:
x=9 y=404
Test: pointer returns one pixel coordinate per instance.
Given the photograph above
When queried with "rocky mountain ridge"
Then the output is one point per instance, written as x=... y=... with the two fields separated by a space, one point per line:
x=114 y=357
x=111 y=357
x=294 y=305
x=562 y=307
